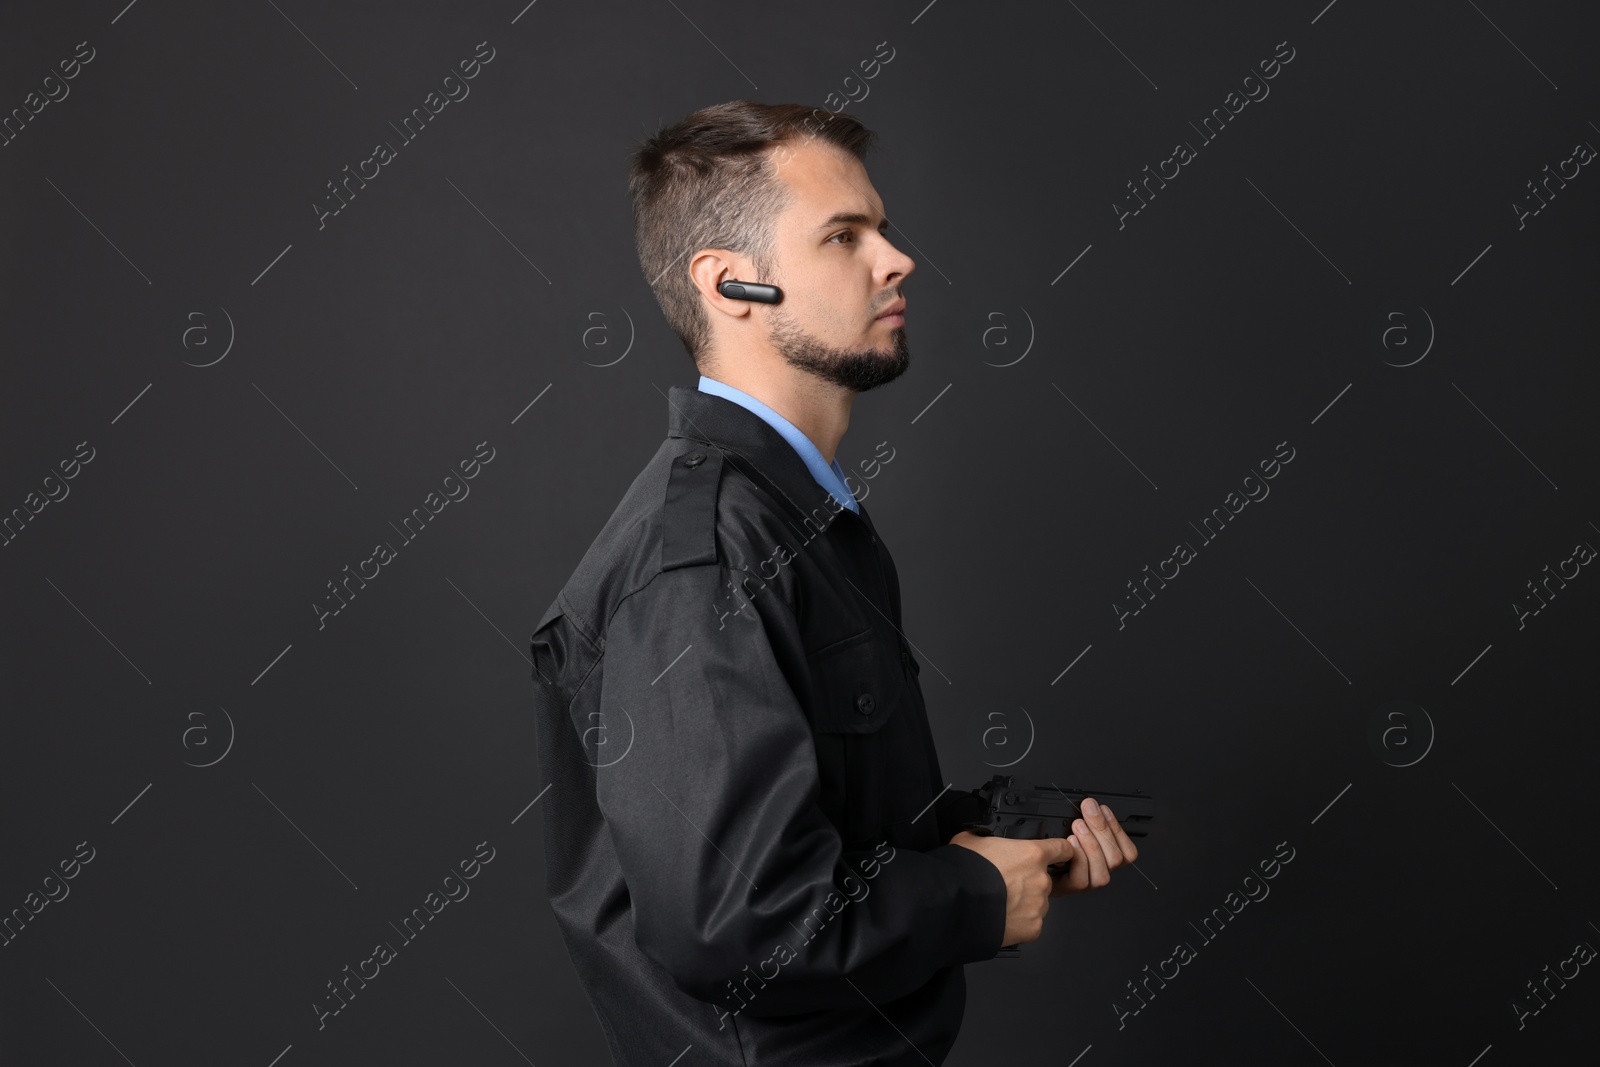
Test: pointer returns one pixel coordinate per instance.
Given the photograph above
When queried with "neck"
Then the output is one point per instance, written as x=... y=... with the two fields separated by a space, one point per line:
x=819 y=409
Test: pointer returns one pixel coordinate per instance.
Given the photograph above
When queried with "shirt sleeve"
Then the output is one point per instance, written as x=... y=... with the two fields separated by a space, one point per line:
x=732 y=867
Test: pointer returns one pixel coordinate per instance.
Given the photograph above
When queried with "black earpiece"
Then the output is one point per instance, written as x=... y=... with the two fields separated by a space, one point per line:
x=765 y=294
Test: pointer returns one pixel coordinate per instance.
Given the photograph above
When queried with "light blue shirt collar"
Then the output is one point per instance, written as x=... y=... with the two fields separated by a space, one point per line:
x=828 y=475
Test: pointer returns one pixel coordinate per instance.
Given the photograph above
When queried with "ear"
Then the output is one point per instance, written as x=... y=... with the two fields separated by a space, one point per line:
x=710 y=267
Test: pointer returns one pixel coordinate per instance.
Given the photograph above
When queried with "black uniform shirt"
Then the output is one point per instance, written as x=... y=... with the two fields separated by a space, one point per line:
x=746 y=827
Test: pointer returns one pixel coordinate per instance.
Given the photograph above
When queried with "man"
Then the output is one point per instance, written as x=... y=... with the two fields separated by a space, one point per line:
x=750 y=849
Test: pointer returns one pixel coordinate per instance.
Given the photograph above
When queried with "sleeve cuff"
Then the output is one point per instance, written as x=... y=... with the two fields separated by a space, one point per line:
x=981 y=888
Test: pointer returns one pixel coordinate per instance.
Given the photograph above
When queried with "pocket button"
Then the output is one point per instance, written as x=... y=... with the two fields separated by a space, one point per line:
x=865 y=703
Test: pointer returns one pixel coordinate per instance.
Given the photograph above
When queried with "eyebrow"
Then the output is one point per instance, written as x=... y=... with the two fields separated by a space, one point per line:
x=839 y=218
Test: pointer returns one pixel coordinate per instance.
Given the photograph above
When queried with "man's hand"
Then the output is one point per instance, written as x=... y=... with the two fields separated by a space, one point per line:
x=1099 y=845
x=1028 y=884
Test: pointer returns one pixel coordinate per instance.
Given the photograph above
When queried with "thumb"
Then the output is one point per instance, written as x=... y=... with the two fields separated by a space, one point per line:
x=1057 y=850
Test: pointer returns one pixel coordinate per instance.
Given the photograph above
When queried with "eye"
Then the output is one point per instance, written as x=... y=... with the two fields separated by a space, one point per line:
x=882 y=231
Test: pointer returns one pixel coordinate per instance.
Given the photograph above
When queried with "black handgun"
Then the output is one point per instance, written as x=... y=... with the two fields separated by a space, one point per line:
x=1002 y=808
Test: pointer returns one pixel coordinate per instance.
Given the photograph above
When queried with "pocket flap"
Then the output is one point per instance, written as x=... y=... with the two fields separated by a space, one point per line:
x=858 y=684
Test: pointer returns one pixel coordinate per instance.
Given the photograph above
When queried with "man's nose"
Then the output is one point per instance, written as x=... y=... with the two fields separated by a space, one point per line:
x=900 y=265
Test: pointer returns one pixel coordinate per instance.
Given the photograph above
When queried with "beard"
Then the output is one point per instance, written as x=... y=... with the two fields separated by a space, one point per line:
x=857 y=369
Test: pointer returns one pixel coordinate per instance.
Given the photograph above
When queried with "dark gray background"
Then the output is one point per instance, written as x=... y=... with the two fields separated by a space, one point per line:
x=164 y=607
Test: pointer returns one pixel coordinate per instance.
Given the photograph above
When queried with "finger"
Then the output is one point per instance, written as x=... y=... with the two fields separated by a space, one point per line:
x=1076 y=878
x=1094 y=815
x=1099 y=873
x=1130 y=851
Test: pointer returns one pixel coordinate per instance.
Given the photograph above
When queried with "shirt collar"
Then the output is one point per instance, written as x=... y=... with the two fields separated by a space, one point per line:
x=756 y=449
x=828 y=475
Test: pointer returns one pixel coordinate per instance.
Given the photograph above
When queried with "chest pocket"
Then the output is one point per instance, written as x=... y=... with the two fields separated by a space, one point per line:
x=859 y=684
x=859 y=726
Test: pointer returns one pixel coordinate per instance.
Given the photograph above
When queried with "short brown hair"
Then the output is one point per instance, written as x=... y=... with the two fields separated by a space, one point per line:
x=707 y=181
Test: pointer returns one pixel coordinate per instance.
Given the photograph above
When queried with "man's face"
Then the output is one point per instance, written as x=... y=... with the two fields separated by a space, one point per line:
x=837 y=270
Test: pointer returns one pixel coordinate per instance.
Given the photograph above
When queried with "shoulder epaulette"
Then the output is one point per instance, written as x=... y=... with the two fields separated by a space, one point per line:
x=690 y=518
